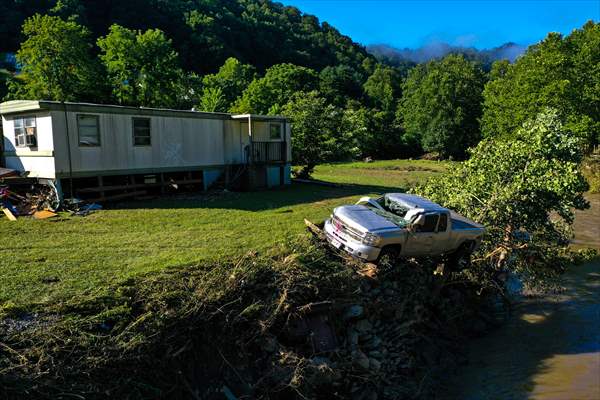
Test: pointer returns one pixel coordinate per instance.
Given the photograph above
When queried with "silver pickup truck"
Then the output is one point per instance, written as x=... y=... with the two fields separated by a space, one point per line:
x=400 y=224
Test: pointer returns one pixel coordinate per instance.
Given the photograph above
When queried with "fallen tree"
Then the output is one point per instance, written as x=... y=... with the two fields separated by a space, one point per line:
x=524 y=190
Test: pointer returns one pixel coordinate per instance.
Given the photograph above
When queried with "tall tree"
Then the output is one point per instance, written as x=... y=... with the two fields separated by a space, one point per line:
x=339 y=84
x=143 y=69
x=383 y=88
x=56 y=62
x=231 y=80
x=320 y=131
x=559 y=72
x=271 y=92
x=442 y=104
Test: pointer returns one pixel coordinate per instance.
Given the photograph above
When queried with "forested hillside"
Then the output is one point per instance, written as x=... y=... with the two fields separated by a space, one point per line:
x=257 y=56
x=204 y=33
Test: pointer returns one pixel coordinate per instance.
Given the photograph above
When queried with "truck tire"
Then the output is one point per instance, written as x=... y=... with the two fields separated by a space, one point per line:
x=461 y=258
x=388 y=254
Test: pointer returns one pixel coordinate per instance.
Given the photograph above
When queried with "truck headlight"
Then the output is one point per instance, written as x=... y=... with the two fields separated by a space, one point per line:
x=371 y=239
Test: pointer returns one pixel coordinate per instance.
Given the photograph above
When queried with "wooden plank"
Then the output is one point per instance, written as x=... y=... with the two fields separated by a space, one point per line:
x=9 y=214
x=45 y=214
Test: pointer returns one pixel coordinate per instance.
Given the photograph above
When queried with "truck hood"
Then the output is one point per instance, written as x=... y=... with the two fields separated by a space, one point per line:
x=363 y=219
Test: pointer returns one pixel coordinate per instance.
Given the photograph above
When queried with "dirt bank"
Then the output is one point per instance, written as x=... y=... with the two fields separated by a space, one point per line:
x=300 y=323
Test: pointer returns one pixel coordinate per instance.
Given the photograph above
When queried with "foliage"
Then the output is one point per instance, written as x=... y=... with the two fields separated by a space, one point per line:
x=56 y=62
x=230 y=81
x=142 y=67
x=383 y=88
x=212 y=100
x=519 y=189
x=559 y=72
x=276 y=88
x=205 y=33
x=441 y=105
x=317 y=133
x=339 y=84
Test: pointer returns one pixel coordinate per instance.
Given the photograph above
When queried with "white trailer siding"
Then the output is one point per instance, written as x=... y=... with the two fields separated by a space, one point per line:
x=175 y=143
x=37 y=161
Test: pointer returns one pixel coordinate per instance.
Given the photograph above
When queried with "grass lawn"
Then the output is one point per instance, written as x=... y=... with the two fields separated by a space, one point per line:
x=48 y=261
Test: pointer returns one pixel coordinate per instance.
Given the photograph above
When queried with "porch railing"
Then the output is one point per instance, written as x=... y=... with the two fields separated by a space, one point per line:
x=265 y=152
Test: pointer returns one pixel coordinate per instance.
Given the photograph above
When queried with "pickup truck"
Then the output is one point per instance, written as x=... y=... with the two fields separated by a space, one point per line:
x=399 y=224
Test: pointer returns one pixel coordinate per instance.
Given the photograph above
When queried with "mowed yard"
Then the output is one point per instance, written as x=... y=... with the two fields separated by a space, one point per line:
x=47 y=261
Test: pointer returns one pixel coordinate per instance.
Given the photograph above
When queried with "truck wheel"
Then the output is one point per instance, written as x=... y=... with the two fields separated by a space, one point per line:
x=388 y=255
x=461 y=258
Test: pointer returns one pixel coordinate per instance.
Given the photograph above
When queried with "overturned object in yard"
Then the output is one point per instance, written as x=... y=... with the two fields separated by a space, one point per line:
x=400 y=224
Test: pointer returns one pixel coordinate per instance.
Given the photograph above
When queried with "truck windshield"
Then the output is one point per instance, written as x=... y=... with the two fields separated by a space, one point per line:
x=390 y=205
x=392 y=211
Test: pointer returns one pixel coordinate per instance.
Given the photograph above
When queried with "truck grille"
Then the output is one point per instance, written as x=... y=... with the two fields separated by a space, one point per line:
x=352 y=233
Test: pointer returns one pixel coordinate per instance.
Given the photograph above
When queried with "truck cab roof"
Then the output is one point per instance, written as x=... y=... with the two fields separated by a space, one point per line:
x=414 y=202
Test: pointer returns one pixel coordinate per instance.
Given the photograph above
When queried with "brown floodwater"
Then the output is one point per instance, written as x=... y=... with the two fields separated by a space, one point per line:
x=550 y=346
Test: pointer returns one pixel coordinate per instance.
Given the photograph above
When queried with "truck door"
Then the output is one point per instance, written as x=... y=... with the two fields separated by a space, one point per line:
x=420 y=242
x=441 y=238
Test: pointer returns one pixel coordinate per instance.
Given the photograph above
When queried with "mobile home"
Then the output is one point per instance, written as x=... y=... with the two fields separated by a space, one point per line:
x=93 y=148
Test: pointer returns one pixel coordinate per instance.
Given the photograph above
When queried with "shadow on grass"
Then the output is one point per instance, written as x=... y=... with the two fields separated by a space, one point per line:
x=295 y=194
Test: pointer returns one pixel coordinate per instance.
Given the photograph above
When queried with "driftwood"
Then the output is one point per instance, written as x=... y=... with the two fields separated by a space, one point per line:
x=314 y=229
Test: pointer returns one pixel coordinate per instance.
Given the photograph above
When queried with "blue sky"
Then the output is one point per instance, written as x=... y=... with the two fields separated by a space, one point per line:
x=481 y=24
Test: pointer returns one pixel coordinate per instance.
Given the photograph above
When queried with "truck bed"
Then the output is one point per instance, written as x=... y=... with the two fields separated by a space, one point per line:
x=462 y=223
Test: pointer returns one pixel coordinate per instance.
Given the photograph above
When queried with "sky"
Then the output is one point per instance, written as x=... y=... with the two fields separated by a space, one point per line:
x=480 y=24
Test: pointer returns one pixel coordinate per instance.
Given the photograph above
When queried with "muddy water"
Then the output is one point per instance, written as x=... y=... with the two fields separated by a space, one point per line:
x=550 y=347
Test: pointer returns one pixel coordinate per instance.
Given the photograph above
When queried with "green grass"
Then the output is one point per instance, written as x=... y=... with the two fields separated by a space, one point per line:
x=393 y=174
x=47 y=261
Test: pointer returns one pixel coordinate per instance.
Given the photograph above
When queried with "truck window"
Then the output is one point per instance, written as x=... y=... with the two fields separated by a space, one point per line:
x=430 y=224
x=443 y=225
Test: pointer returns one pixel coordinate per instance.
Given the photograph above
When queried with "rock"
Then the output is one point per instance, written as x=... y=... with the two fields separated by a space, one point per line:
x=359 y=358
x=354 y=311
x=321 y=361
x=374 y=342
x=363 y=326
x=375 y=354
x=389 y=292
x=365 y=337
x=371 y=395
x=270 y=345
x=352 y=337
x=374 y=364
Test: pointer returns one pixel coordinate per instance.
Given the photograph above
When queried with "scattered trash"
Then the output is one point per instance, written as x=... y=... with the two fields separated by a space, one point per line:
x=83 y=210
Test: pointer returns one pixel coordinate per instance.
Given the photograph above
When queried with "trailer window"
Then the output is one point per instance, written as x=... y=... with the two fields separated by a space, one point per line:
x=25 y=131
x=141 y=132
x=88 y=127
x=275 y=131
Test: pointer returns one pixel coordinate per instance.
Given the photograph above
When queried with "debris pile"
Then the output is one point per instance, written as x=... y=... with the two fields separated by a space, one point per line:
x=299 y=323
x=39 y=201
